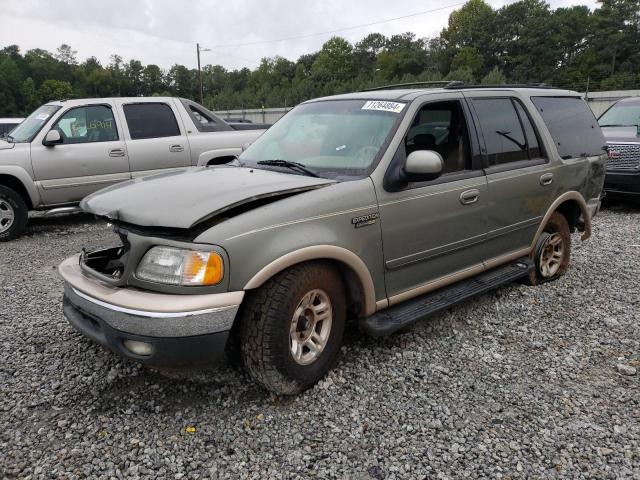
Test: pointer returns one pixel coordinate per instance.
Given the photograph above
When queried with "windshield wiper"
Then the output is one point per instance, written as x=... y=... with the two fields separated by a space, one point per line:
x=619 y=125
x=291 y=165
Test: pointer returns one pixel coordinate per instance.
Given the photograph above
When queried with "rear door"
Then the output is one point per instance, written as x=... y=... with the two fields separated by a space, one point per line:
x=91 y=156
x=156 y=139
x=519 y=176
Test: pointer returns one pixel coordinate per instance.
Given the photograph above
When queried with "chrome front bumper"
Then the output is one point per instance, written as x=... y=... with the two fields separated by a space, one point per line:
x=181 y=329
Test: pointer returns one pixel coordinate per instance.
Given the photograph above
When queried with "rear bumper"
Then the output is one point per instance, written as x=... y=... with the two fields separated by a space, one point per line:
x=622 y=183
x=169 y=336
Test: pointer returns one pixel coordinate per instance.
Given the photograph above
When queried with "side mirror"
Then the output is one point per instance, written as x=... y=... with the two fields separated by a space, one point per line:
x=423 y=165
x=52 y=138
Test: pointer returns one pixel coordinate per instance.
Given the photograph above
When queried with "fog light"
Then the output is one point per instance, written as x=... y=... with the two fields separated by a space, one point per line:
x=139 y=348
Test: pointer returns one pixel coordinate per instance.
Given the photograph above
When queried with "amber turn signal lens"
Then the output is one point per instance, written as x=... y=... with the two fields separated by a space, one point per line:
x=202 y=268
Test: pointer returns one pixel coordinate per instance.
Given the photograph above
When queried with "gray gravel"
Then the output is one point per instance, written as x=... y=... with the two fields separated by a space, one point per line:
x=520 y=383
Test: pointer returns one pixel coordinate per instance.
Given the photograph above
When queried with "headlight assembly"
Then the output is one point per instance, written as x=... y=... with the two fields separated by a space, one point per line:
x=177 y=266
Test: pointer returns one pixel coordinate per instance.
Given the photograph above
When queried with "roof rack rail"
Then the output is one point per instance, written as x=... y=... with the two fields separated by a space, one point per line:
x=443 y=83
x=458 y=85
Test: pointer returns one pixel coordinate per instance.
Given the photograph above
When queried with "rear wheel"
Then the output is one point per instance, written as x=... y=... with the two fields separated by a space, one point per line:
x=292 y=328
x=13 y=214
x=552 y=251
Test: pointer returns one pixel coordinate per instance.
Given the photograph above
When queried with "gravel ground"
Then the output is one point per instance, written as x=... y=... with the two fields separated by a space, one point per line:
x=520 y=383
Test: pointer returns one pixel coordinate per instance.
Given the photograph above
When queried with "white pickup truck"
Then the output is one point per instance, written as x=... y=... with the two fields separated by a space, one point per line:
x=66 y=150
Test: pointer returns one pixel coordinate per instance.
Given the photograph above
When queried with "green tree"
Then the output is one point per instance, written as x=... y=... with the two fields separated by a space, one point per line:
x=66 y=54
x=29 y=95
x=335 y=62
x=55 y=90
x=463 y=74
x=471 y=26
x=494 y=77
x=152 y=80
x=467 y=57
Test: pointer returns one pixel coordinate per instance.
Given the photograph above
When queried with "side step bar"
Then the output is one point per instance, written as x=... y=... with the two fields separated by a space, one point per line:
x=61 y=211
x=399 y=316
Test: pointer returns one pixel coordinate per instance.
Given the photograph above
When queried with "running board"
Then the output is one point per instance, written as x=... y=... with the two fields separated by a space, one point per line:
x=399 y=316
x=61 y=211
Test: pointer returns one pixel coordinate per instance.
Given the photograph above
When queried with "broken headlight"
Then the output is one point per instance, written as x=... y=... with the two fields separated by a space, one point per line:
x=177 y=266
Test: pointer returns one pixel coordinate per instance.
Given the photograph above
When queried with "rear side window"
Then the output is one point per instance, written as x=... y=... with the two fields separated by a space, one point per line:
x=572 y=125
x=151 y=120
x=504 y=139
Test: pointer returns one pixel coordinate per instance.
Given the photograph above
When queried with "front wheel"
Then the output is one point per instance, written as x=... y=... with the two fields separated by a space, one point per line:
x=552 y=251
x=292 y=328
x=13 y=214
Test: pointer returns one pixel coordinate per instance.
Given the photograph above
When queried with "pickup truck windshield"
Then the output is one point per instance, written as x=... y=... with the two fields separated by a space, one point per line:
x=621 y=116
x=30 y=127
x=333 y=139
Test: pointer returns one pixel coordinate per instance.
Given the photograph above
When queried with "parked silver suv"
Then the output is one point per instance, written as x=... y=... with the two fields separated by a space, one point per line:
x=385 y=205
x=68 y=149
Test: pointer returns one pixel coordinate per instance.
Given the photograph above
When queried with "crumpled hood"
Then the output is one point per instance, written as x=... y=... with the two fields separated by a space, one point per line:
x=185 y=198
x=6 y=145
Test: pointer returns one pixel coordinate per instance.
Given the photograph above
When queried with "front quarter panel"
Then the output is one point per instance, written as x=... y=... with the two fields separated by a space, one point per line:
x=16 y=162
x=322 y=217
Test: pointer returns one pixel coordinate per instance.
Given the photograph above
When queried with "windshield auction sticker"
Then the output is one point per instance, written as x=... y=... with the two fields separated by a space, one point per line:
x=395 y=107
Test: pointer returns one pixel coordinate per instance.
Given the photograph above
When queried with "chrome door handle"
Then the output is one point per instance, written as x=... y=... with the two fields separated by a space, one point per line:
x=469 y=196
x=116 y=152
x=546 y=179
x=176 y=148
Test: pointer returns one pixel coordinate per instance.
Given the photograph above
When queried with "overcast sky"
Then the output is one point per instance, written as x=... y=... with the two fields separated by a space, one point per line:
x=165 y=32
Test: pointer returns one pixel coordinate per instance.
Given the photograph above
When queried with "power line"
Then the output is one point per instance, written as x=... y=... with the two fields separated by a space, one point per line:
x=329 y=32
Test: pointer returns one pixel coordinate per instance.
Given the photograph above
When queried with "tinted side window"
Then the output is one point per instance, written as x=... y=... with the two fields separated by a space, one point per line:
x=532 y=137
x=503 y=136
x=89 y=124
x=151 y=120
x=572 y=125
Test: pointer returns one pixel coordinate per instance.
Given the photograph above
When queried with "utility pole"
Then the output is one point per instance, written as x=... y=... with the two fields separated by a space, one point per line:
x=198 y=50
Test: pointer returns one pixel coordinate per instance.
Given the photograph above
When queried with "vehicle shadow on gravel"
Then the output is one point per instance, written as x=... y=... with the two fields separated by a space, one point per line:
x=175 y=390
x=619 y=205
x=41 y=224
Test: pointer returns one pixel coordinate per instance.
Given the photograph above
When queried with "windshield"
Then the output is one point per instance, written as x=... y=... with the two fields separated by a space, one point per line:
x=622 y=115
x=29 y=128
x=334 y=139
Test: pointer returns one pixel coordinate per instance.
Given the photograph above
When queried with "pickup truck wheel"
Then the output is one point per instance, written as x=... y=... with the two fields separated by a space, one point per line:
x=292 y=328
x=13 y=214
x=552 y=251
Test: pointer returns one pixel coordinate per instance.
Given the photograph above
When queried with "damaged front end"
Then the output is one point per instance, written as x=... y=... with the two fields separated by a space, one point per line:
x=107 y=263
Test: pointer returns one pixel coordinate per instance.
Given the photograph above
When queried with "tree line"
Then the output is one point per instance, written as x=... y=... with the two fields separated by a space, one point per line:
x=524 y=42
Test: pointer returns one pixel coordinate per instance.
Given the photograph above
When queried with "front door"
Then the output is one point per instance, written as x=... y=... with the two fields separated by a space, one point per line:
x=156 y=140
x=92 y=155
x=433 y=232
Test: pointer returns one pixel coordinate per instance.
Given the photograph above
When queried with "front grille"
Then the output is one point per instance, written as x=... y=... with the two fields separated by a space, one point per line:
x=624 y=156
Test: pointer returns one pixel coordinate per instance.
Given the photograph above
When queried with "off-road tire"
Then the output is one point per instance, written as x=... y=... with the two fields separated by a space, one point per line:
x=265 y=328
x=20 y=210
x=557 y=224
